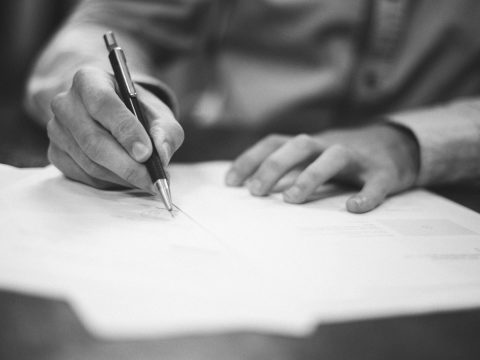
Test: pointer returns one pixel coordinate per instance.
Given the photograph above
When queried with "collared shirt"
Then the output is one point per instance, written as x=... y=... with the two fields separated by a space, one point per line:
x=303 y=65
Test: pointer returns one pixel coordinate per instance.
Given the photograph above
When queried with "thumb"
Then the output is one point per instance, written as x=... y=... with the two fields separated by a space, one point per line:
x=95 y=90
x=372 y=194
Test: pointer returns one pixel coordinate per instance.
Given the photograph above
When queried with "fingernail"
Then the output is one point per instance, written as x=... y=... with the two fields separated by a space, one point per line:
x=232 y=178
x=139 y=151
x=255 y=187
x=360 y=200
x=292 y=194
x=357 y=203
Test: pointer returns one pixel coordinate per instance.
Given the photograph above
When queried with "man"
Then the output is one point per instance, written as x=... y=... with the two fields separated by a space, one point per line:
x=361 y=87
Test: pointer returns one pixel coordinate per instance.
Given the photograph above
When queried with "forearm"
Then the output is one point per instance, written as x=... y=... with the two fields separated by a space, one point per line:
x=75 y=46
x=153 y=34
x=449 y=140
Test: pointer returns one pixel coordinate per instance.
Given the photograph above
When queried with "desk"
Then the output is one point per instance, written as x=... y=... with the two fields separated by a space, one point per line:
x=38 y=328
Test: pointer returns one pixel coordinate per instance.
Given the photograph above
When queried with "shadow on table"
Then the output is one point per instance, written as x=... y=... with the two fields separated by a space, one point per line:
x=41 y=329
x=22 y=142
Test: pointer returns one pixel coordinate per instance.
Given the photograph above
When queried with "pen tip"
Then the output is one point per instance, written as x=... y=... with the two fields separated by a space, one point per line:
x=164 y=190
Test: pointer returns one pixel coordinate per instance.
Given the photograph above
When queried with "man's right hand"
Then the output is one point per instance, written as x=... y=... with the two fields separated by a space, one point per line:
x=96 y=140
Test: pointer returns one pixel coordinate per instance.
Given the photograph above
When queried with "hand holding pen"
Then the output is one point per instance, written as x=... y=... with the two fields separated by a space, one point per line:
x=129 y=96
x=95 y=139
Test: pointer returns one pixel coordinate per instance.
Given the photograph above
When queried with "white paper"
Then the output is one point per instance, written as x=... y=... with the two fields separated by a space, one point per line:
x=231 y=261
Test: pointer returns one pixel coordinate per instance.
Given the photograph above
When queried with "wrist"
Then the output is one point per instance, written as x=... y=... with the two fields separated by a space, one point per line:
x=405 y=150
x=395 y=142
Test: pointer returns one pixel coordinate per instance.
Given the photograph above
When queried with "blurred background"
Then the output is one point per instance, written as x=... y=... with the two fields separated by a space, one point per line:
x=25 y=27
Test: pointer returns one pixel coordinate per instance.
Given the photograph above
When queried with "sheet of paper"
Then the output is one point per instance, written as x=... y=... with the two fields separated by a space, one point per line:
x=230 y=261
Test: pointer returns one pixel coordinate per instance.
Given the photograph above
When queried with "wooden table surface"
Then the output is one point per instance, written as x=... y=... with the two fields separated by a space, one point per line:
x=44 y=328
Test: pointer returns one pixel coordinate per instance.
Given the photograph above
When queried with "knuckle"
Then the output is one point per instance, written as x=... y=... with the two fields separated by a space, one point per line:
x=58 y=104
x=91 y=145
x=81 y=76
x=310 y=176
x=130 y=174
x=157 y=132
x=95 y=97
x=126 y=129
x=304 y=141
x=172 y=132
x=272 y=166
x=340 y=150
x=96 y=100
x=275 y=139
x=304 y=184
x=243 y=162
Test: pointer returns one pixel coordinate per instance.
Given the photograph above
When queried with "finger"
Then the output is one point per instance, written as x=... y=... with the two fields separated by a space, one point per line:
x=96 y=89
x=102 y=149
x=98 y=144
x=62 y=139
x=70 y=168
x=166 y=132
x=286 y=181
x=296 y=151
x=372 y=194
x=248 y=162
x=333 y=160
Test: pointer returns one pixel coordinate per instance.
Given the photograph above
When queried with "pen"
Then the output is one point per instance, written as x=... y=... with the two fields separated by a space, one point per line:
x=129 y=97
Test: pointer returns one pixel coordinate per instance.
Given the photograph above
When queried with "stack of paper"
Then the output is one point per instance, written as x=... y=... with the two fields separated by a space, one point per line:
x=227 y=260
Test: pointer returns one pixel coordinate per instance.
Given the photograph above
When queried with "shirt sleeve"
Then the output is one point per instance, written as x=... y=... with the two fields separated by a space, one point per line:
x=153 y=33
x=449 y=140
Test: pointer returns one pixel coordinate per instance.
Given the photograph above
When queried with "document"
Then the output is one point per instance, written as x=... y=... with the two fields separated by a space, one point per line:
x=228 y=261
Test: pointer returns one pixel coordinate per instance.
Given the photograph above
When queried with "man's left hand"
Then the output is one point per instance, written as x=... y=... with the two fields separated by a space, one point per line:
x=382 y=159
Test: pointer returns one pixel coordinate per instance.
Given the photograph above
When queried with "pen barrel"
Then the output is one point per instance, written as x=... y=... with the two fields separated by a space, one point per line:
x=154 y=163
x=129 y=97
